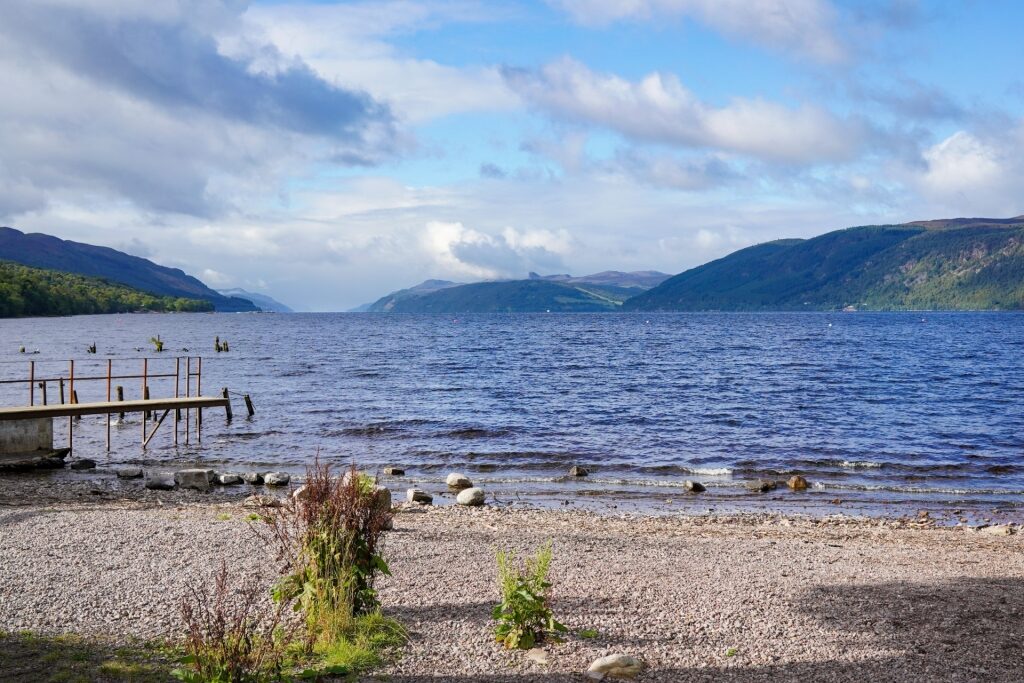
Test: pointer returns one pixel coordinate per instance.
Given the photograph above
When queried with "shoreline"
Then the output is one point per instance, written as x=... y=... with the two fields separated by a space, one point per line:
x=797 y=598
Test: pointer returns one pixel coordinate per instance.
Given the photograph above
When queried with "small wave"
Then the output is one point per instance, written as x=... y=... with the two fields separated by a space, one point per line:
x=860 y=464
x=475 y=433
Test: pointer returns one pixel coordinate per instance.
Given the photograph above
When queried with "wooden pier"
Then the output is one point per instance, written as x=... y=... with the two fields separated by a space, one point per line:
x=21 y=423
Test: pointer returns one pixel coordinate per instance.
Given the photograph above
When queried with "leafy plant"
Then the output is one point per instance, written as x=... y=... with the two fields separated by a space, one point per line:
x=329 y=541
x=231 y=635
x=157 y=343
x=524 y=614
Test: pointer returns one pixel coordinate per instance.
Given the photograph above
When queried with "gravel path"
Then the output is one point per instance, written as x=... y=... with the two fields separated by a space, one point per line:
x=698 y=598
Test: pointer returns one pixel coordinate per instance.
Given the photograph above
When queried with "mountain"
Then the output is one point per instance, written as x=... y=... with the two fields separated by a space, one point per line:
x=952 y=264
x=514 y=296
x=598 y=292
x=265 y=303
x=26 y=291
x=386 y=303
x=44 y=251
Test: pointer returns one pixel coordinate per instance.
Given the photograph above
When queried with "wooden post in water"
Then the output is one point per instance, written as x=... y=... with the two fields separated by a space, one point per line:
x=61 y=381
x=74 y=399
x=109 y=373
x=42 y=385
x=227 y=408
x=248 y=405
x=120 y=397
x=145 y=395
x=177 y=411
x=199 y=392
x=71 y=393
x=188 y=392
x=31 y=382
x=145 y=413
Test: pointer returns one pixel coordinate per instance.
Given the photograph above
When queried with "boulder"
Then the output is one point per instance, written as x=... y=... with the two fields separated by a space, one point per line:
x=254 y=478
x=761 y=485
x=419 y=496
x=998 y=530
x=301 y=493
x=228 y=479
x=196 y=478
x=129 y=472
x=472 y=496
x=160 y=481
x=276 y=478
x=694 y=486
x=262 y=501
x=394 y=471
x=456 y=480
x=83 y=464
x=577 y=471
x=615 y=666
x=797 y=483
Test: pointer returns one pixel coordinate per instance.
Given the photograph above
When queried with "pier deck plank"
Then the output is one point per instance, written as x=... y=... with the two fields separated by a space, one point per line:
x=106 y=407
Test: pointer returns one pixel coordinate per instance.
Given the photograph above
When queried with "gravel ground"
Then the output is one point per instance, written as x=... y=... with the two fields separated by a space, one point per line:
x=745 y=598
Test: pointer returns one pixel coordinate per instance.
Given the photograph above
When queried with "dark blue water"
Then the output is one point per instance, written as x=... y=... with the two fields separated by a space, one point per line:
x=871 y=408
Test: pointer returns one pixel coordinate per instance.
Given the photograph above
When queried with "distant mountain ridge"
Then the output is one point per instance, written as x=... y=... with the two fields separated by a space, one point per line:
x=264 y=301
x=948 y=264
x=45 y=251
x=555 y=293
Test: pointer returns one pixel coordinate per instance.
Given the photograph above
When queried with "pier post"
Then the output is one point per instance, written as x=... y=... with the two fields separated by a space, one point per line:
x=120 y=398
x=109 y=373
x=227 y=408
x=248 y=405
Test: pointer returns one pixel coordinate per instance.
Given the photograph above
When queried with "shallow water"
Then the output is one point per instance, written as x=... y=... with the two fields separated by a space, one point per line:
x=874 y=409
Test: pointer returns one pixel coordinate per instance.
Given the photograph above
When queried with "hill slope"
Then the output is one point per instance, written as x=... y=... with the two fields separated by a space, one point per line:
x=265 y=302
x=26 y=291
x=957 y=264
x=387 y=302
x=44 y=251
x=516 y=296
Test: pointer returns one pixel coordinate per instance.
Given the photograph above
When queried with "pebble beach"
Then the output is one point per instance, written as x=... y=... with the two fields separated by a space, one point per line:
x=695 y=597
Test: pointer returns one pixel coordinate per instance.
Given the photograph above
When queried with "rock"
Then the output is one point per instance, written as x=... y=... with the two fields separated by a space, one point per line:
x=694 y=486
x=577 y=471
x=262 y=501
x=458 y=481
x=394 y=471
x=615 y=666
x=382 y=496
x=195 y=478
x=472 y=496
x=419 y=496
x=83 y=464
x=160 y=481
x=129 y=472
x=998 y=530
x=254 y=478
x=761 y=485
x=537 y=655
x=797 y=483
x=227 y=479
x=301 y=493
x=276 y=478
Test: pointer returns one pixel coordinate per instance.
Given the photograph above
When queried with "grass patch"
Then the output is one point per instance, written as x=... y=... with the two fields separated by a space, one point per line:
x=28 y=657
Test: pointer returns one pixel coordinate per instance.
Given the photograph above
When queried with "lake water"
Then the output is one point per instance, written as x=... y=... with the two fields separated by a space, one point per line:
x=878 y=411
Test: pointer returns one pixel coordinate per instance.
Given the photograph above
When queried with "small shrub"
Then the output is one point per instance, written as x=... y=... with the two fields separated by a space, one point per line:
x=231 y=637
x=524 y=614
x=329 y=541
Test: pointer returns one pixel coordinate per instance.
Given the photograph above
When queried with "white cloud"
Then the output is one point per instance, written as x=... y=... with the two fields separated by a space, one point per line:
x=803 y=27
x=658 y=108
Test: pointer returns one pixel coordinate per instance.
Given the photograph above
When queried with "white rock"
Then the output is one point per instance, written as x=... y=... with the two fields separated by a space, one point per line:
x=419 y=496
x=226 y=479
x=276 y=478
x=615 y=666
x=537 y=655
x=458 y=481
x=301 y=493
x=998 y=530
x=471 y=496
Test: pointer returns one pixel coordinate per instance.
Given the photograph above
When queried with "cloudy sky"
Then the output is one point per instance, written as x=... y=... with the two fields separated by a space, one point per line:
x=329 y=152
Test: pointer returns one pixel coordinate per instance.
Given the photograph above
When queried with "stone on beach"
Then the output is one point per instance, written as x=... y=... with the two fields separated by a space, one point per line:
x=194 y=478
x=394 y=471
x=262 y=501
x=276 y=478
x=83 y=464
x=998 y=530
x=797 y=483
x=160 y=481
x=129 y=472
x=228 y=479
x=419 y=496
x=301 y=493
x=456 y=480
x=472 y=496
x=577 y=471
x=252 y=478
x=761 y=485
x=694 y=486
x=615 y=666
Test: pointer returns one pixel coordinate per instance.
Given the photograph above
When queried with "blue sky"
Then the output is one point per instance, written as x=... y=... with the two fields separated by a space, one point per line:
x=329 y=152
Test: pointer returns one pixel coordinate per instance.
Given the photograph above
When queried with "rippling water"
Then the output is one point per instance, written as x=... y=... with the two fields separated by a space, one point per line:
x=871 y=408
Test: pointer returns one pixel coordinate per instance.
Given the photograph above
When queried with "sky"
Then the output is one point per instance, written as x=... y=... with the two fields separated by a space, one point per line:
x=326 y=153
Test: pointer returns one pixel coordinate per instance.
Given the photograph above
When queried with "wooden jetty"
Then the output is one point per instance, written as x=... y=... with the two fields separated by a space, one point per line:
x=28 y=430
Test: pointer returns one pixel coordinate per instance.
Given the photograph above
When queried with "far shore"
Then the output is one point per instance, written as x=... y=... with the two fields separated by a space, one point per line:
x=696 y=597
